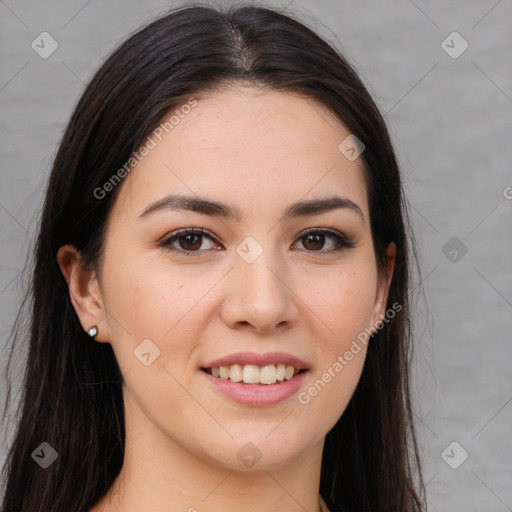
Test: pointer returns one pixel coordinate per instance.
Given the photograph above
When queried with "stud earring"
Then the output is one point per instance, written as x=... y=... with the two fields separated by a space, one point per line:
x=93 y=331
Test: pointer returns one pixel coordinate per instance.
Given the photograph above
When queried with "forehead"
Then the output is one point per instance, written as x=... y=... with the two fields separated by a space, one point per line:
x=255 y=148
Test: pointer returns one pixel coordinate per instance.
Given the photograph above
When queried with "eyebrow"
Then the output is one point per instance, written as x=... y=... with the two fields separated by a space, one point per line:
x=213 y=208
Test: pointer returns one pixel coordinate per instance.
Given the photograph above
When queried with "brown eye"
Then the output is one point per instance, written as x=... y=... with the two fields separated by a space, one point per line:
x=314 y=240
x=189 y=241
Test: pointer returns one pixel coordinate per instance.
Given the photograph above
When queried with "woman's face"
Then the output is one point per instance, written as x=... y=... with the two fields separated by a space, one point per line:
x=256 y=282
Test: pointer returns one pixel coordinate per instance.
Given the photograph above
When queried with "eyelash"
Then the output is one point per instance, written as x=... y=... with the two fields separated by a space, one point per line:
x=341 y=241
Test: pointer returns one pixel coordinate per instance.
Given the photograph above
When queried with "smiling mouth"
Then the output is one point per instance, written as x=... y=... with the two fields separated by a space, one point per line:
x=253 y=374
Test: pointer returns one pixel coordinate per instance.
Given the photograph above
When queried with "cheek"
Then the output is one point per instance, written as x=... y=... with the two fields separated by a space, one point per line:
x=344 y=301
x=151 y=300
x=160 y=302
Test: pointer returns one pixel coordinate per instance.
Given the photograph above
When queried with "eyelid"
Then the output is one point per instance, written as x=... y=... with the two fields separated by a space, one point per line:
x=187 y=231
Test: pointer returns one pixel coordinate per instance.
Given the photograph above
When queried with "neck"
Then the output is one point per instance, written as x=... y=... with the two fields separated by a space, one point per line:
x=160 y=475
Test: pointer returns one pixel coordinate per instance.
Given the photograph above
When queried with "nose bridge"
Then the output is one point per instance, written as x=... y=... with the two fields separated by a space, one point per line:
x=258 y=266
x=259 y=295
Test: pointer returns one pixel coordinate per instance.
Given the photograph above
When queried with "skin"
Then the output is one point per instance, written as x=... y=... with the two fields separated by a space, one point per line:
x=258 y=150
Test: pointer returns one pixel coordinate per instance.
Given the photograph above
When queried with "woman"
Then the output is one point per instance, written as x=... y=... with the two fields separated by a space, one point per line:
x=220 y=313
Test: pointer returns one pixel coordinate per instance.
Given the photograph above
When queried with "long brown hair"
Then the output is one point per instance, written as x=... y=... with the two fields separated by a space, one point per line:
x=71 y=390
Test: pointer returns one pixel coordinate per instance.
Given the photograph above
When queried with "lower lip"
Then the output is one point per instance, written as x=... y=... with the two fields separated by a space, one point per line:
x=258 y=394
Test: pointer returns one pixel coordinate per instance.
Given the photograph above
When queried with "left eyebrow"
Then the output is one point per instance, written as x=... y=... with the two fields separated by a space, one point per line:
x=318 y=206
x=206 y=206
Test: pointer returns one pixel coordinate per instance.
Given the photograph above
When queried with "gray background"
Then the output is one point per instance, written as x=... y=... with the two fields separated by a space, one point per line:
x=451 y=123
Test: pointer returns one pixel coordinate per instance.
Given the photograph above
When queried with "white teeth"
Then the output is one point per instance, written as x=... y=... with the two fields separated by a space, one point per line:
x=289 y=372
x=224 y=372
x=280 y=372
x=253 y=374
x=235 y=373
x=268 y=374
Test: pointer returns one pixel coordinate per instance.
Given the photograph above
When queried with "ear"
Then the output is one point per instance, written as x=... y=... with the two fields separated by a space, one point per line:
x=384 y=282
x=84 y=292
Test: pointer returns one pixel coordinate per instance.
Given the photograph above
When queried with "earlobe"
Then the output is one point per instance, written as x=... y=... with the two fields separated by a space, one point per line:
x=84 y=292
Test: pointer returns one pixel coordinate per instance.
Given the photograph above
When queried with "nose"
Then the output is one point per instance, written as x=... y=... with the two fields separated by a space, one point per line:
x=259 y=295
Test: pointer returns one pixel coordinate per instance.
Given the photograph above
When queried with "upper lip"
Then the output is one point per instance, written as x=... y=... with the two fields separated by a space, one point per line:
x=243 y=358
